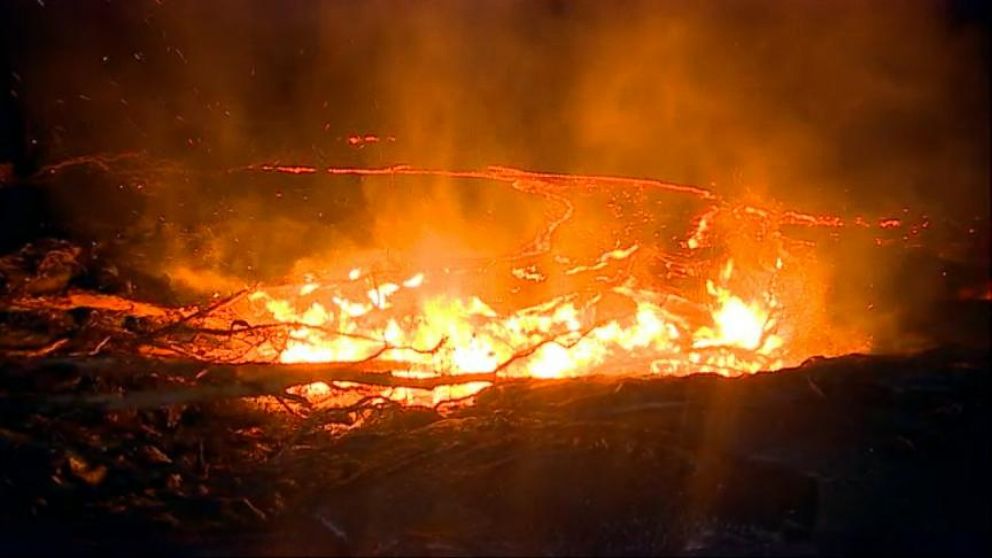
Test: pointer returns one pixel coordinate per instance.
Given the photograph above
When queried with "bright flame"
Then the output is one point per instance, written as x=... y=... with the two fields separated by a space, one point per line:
x=739 y=324
x=438 y=334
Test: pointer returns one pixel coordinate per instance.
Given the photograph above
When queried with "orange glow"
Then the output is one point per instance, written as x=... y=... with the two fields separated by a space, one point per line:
x=751 y=300
x=289 y=169
x=439 y=334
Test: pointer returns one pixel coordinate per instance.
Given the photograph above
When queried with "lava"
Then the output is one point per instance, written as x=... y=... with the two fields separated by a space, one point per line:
x=729 y=290
x=435 y=333
x=748 y=314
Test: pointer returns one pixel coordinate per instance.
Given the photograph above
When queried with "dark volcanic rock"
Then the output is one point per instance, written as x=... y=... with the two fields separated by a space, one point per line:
x=860 y=454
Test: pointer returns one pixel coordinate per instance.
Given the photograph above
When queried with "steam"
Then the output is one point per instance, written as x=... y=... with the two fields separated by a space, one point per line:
x=842 y=107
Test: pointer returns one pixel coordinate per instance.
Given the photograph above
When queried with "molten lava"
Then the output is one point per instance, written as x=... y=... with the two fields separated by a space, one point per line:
x=734 y=295
x=427 y=332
